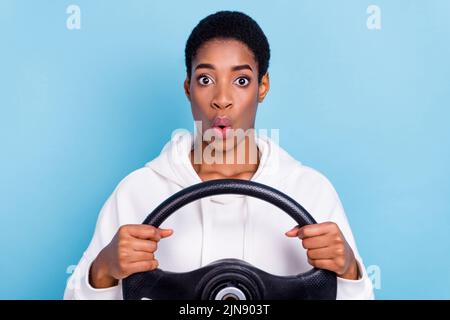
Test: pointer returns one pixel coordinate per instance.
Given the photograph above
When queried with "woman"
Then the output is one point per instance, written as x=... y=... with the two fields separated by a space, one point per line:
x=227 y=57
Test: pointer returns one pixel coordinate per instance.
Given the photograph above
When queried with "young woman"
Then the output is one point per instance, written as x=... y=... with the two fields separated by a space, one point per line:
x=227 y=57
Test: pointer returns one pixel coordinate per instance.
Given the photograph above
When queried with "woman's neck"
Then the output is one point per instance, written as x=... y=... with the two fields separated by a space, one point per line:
x=229 y=167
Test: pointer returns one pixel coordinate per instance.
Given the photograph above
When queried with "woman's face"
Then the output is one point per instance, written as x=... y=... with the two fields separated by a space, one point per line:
x=224 y=89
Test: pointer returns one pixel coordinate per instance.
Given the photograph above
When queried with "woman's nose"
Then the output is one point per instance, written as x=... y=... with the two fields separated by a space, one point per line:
x=222 y=99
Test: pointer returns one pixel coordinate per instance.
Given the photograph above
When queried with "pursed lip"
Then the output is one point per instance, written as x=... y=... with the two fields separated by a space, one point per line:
x=221 y=122
x=222 y=126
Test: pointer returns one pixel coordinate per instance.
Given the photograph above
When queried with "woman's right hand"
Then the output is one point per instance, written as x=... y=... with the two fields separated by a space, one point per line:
x=130 y=251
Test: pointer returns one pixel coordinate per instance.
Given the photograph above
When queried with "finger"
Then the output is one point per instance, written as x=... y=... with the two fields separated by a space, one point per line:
x=322 y=253
x=141 y=256
x=144 y=245
x=293 y=232
x=149 y=232
x=143 y=231
x=143 y=266
x=314 y=230
x=316 y=242
x=326 y=264
x=164 y=233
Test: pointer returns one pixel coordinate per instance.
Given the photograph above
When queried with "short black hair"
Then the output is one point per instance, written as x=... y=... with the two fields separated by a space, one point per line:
x=229 y=25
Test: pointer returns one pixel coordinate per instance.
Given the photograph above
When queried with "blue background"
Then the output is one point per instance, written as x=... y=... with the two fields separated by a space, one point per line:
x=80 y=109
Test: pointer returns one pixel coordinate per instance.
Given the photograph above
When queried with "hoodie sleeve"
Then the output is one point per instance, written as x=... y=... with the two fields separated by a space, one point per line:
x=78 y=287
x=362 y=288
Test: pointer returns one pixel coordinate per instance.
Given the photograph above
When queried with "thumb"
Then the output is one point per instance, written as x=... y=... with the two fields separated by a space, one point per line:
x=293 y=232
x=165 y=232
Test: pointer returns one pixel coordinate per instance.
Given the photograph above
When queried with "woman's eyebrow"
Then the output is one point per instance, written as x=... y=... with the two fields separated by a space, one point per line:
x=234 y=68
x=205 y=65
x=242 y=67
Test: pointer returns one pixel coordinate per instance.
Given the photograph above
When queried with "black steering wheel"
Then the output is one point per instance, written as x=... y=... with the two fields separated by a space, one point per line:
x=229 y=279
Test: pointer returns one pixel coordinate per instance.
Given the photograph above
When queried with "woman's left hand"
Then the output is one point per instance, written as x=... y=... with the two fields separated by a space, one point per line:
x=327 y=248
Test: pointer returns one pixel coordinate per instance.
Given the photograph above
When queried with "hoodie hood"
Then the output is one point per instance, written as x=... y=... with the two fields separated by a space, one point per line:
x=174 y=163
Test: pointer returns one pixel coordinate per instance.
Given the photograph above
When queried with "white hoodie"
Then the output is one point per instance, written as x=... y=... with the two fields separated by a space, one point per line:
x=223 y=226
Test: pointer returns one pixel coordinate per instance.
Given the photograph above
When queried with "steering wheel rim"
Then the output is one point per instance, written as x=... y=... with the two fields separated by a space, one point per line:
x=229 y=186
x=314 y=278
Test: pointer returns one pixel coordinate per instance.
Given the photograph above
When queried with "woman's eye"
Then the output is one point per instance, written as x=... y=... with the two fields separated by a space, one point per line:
x=242 y=81
x=204 y=80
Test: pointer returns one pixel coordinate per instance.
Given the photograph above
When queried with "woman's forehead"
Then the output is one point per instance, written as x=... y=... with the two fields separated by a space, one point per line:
x=224 y=54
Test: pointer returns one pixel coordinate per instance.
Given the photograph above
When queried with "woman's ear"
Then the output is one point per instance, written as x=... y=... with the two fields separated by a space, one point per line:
x=187 y=89
x=264 y=87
